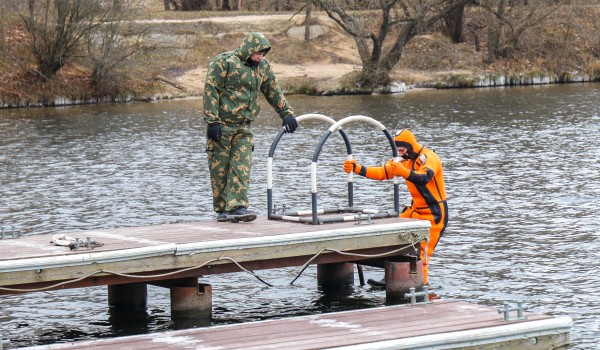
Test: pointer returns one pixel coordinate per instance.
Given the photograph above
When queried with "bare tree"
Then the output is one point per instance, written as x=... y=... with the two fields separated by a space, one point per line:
x=56 y=28
x=307 y=20
x=382 y=28
x=509 y=20
x=109 y=49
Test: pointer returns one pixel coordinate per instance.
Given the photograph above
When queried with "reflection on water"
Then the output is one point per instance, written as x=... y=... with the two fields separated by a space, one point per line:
x=521 y=168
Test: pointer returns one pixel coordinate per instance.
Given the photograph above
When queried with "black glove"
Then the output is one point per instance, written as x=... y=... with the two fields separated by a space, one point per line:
x=290 y=123
x=214 y=131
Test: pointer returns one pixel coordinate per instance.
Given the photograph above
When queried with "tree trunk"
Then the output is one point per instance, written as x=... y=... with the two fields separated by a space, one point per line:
x=31 y=4
x=454 y=24
x=194 y=5
x=494 y=32
x=167 y=4
x=493 y=42
x=3 y=34
x=307 y=21
x=226 y=6
x=117 y=5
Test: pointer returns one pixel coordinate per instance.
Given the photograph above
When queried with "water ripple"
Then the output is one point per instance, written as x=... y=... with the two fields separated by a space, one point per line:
x=521 y=168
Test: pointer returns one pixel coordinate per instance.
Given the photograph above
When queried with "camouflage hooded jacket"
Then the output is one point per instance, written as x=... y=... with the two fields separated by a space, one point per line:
x=232 y=85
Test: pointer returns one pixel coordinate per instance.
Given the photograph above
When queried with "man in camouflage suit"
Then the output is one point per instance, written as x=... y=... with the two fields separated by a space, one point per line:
x=231 y=89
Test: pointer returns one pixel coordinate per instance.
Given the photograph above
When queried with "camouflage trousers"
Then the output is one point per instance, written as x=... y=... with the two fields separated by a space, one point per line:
x=229 y=163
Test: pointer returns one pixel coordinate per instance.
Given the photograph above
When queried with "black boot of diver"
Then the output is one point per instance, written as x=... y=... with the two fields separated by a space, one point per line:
x=380 y=283
x=239 y=214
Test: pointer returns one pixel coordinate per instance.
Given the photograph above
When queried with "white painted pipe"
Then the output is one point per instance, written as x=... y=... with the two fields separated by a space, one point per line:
x=397 y=228
x=79 y=259
x=475 y=337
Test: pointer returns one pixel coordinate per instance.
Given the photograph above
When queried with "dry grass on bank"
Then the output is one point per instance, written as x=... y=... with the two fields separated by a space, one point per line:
x=183 y=46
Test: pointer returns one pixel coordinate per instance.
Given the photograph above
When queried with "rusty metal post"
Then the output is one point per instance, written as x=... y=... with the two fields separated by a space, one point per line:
x=335 y=276
x=400 y=277
x=191 y=305
x=131 y=296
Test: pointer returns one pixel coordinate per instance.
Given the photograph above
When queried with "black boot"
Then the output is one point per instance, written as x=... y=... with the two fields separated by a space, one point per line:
x=239 y=214
x=380 y=283
x=222 y=216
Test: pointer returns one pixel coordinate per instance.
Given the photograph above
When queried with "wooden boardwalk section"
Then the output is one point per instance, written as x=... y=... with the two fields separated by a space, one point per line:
x=179 y=253
x=437 y=325
x=183 y=250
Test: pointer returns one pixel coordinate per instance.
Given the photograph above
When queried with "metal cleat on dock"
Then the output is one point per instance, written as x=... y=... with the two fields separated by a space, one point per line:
x=3 y=342
x=284 y=208
x=412 y=295
x=506 y=309
x=361 y=221
x=12 y=234
x=88 y=243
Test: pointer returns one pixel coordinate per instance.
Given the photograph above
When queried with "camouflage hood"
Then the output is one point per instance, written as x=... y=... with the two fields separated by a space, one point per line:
x=252 y=43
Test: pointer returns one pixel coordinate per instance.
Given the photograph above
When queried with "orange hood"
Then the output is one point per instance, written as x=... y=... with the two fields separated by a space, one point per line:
x=405 y=138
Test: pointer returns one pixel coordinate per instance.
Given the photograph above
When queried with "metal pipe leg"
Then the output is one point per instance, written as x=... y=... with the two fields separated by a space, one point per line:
x=191 y=305
x=131 y=296
x=400 y=277
x=335 y=276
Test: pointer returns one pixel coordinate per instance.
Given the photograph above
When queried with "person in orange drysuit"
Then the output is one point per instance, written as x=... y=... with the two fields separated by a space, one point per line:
x=422 y=170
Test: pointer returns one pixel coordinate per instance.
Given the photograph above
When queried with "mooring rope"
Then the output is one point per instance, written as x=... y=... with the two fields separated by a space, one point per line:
x=304 y=266
x=135 y=276
x=353 y=254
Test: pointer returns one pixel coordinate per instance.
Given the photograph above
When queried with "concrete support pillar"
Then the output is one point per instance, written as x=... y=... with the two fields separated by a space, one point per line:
x=335 y=276
x=191 y=303
x=400 y=277
x=132 y=296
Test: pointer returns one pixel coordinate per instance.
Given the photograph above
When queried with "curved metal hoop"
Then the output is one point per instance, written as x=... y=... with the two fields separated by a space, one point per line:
x=299 y=119
x=314 y=212
x=313 y=169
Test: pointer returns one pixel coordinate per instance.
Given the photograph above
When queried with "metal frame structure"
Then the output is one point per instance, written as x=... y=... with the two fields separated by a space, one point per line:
x=356 y=214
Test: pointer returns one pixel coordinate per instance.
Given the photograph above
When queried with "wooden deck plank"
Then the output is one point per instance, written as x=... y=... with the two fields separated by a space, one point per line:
x=382 y=322
x=351 y=328
x=135 y=237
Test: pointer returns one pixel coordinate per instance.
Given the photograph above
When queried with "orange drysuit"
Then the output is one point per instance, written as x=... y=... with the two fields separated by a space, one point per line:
x=422 y=170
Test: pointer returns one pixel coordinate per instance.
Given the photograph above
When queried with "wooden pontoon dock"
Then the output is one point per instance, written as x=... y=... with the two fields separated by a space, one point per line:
x=436 y=325
x=175 y=251
x=174 y=256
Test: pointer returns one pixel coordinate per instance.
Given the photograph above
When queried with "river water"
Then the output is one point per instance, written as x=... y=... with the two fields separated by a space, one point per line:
x=522 y=168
